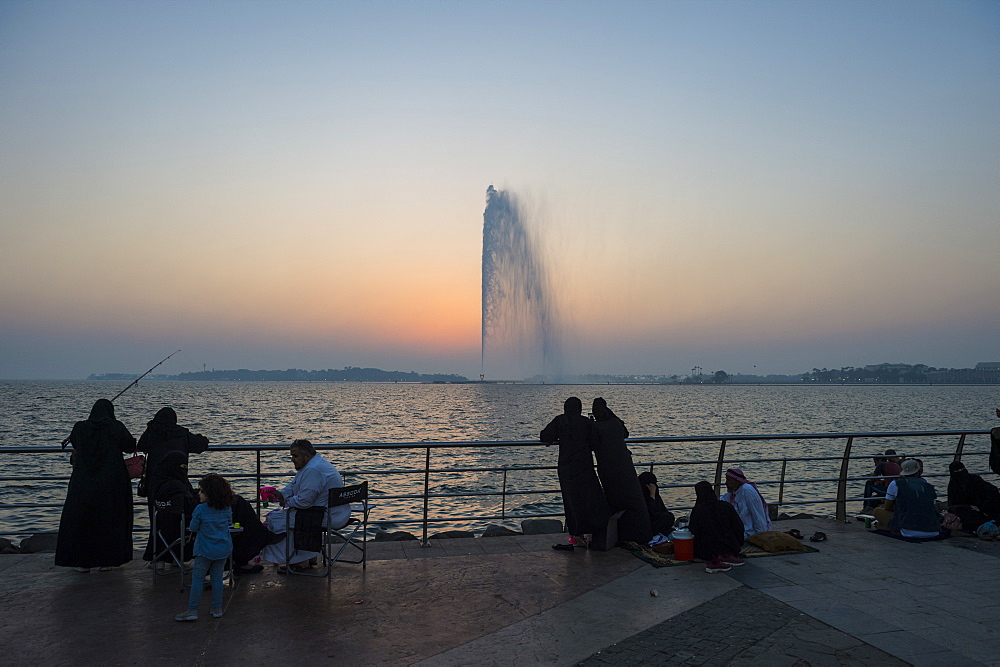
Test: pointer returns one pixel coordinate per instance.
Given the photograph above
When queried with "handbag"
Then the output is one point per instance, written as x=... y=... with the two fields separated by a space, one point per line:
x=135 y=465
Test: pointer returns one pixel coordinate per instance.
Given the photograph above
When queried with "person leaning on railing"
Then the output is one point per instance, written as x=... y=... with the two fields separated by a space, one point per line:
x=164 y=435
x=584 y=503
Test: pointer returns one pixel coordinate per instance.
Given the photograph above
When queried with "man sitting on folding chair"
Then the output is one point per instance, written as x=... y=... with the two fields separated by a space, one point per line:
x=314 y=478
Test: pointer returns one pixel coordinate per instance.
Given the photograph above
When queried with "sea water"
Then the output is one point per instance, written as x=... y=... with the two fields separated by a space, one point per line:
x=41 y=413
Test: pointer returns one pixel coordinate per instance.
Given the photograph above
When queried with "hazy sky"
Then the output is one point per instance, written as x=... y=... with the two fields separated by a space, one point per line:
x=778 y=185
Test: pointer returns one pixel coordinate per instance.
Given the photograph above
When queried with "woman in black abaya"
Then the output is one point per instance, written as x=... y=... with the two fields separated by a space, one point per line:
x=717 y=528
x=95 y=529
x=583 y=500
x=974 y=500
x=660 y=518
x=614 y=467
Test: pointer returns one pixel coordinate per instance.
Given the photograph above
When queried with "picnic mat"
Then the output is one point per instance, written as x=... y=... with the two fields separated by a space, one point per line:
x=944 y=534
x=647 y=554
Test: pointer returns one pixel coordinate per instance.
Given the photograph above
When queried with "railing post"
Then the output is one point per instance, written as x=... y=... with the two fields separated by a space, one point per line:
x=427 y=484
x=503 y=495
x=781 y=486
x=718 y=467
x=258 y=483
x=961 y=446
x=842 y=484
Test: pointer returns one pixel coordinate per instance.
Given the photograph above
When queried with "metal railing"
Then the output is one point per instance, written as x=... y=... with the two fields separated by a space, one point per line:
x=426 y=494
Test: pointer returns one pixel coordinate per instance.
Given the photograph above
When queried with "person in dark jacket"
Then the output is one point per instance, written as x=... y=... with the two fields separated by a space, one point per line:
x=250 y=542
x=583 y=499
x=717 y=530
x=163 y=435
x=617 y=474
x=971 y=497
x=95 y=529
x=175 y=497
x=660 y=518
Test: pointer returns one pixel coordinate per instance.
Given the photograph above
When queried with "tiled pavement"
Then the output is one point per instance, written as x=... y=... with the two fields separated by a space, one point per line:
x=862 y=599
x=742 y=627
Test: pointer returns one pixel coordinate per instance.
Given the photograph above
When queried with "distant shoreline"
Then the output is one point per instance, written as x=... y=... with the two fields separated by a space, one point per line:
x=531 y=383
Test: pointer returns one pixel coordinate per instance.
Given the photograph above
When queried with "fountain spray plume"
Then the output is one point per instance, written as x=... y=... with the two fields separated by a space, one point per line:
x=519 y=325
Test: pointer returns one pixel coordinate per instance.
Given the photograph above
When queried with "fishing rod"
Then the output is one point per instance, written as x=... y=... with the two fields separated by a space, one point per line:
x=134 y=382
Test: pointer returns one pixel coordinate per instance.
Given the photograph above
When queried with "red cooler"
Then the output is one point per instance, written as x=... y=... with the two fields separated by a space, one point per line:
x=683 y=544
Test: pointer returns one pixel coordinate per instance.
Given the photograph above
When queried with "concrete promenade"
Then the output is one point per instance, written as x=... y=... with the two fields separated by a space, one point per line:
x=863 y=599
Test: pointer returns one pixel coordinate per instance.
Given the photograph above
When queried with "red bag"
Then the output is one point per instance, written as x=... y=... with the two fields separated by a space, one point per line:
x=135 y=465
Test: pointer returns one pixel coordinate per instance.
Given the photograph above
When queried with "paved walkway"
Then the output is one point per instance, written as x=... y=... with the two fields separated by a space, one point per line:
x=862 y=599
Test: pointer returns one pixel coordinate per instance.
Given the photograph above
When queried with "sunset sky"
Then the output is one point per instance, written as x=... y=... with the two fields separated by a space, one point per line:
x=751 y=186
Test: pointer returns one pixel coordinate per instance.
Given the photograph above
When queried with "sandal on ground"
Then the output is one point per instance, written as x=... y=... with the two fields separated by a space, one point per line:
x=794 y=532
x=563 y=547
x=818 y=537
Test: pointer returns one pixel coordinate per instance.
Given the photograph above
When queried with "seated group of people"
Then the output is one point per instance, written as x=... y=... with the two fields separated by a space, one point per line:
x=171 y=496
x=903 y=501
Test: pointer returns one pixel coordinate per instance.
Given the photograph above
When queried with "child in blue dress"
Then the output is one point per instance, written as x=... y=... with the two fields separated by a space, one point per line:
x=213 y=544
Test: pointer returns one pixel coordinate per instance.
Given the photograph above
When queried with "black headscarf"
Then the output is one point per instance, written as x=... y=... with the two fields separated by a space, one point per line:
x=96 y=431
x=704 y=493
x=102 y=413
x=602 y=412
x=164 y=420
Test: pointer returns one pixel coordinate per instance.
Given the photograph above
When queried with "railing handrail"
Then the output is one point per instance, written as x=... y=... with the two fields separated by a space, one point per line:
x=444 y=444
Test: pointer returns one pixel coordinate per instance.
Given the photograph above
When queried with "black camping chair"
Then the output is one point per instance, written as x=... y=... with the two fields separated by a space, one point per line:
x=357 y=497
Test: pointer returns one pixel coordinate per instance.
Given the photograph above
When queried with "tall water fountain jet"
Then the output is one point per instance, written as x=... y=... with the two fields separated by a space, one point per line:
x=520 y=338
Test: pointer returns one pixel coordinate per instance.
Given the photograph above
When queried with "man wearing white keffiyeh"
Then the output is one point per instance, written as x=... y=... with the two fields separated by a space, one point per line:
x=749 y=503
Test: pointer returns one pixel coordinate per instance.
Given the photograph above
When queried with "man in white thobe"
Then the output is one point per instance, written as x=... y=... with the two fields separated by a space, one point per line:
x=748 y=502
x=314 y=478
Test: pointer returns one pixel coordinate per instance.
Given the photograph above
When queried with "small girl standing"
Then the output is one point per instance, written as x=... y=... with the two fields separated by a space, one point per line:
x=213 y=544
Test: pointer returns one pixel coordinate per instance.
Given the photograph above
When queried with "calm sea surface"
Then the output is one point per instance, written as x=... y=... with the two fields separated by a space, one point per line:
x=271 y=413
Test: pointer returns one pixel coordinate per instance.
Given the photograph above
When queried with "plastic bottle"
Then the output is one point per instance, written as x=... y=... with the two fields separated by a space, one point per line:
x=683 y=544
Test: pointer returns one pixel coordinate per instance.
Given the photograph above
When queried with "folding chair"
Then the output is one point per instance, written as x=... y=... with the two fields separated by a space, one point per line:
x=357 y=497
x=176 y=548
